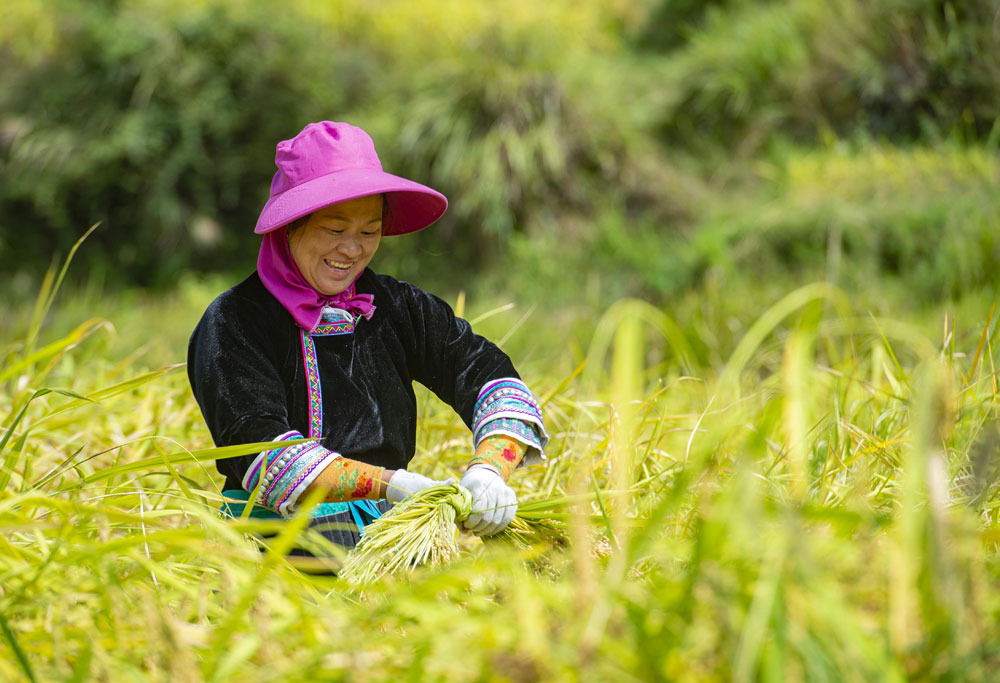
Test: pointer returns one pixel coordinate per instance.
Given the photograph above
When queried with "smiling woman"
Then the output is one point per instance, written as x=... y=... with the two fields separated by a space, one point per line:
x=314 y=347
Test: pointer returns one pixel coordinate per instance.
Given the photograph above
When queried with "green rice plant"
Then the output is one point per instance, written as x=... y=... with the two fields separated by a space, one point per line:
x=822 y=503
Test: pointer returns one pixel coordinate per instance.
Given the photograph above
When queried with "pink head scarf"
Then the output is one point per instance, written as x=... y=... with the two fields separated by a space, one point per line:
x=283 y=279
x=326 y=163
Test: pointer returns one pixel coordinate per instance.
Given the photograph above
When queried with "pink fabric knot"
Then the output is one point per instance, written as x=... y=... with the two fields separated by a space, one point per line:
x=354 y=303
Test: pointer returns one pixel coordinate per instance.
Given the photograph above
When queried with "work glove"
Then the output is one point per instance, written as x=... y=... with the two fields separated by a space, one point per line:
x=494 y=503
x=403 y=484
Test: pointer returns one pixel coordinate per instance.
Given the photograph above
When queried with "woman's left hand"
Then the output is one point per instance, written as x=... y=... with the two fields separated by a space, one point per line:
x=494 y=504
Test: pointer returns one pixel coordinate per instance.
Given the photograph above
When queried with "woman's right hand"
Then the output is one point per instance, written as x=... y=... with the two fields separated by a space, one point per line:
x=400 y=484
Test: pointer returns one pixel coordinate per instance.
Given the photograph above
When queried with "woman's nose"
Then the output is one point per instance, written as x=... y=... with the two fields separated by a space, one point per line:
x=350 y=247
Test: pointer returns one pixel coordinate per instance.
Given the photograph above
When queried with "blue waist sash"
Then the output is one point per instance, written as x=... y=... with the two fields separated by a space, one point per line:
x=363 y=512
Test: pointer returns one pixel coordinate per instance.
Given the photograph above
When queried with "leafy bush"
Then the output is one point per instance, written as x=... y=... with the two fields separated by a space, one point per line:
x=551 y=132
x=672 y=23
x=161 y=123
x=906 y=69
x=861 y=217
x=532 y=116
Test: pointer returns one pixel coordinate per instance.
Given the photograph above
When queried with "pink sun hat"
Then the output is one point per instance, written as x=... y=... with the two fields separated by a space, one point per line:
x=331 y=162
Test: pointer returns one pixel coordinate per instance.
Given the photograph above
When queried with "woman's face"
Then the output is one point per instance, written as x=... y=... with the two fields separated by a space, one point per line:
x=337 y=242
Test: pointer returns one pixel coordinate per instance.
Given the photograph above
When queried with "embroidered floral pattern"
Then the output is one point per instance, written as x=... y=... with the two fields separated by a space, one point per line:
x=353 y=480
x=500 y=451
x=285 y=473
x=289 y=478
x=268 y=458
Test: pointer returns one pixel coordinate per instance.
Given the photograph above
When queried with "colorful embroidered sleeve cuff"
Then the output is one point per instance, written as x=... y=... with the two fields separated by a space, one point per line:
x=284 y=473
x=501 y=452
x=506 y=407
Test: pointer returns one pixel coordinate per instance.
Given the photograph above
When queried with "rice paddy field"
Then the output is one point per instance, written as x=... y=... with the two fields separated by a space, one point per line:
x=820 y=505
x=745 y=252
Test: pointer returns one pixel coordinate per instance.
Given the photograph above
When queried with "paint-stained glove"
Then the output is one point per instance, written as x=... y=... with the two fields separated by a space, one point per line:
x=403 y=484
x=494 y=503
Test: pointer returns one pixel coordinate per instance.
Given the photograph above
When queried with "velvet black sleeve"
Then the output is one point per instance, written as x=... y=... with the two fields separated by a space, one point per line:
x=233 y=361
x=448 y=357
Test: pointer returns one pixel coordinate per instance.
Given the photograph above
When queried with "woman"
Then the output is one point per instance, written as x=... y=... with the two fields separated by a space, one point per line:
x=315 y=345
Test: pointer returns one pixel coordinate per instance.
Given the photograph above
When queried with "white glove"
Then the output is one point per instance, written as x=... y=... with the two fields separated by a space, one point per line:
x=403 y=484
x=494 y=503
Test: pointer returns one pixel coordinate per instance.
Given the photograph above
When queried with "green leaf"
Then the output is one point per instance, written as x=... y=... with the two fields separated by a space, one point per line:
x=11 y=638
x=202 y=455
x=76 y=336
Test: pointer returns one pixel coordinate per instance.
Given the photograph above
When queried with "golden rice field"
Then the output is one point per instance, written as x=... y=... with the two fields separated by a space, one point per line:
x=821 y=506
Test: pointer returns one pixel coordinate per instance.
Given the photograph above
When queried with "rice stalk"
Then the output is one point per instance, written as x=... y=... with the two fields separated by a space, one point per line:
x=527 y=532
x=419 y=531
x=422 y=530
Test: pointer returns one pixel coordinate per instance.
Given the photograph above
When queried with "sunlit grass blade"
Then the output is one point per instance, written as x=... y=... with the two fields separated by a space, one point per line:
x=11 y=639
x=767 y=322
x=201 y=455
x=49 y=289
x=114 y=390
x=52 y=350
x=563 y=384
x=977 y=356
x=10 y=460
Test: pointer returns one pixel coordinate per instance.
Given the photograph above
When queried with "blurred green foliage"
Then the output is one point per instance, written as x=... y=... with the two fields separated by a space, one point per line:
x=904 y=69
x=146 y=120
x=927 y=219
x=646 y=143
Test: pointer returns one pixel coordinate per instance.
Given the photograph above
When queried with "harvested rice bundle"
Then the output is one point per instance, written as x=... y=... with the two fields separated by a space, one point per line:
x=420 y=530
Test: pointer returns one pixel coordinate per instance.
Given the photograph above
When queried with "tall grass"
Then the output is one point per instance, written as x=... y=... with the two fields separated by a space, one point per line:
x=824 y=506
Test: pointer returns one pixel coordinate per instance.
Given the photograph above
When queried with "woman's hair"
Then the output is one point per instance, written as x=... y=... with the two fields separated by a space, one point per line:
x=302 y=220
x=298 y=223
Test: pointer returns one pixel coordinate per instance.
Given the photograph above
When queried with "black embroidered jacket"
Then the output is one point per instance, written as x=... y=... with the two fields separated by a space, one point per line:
x=246 y=369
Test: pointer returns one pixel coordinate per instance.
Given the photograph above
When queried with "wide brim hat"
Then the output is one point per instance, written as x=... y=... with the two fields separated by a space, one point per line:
x=330 y=162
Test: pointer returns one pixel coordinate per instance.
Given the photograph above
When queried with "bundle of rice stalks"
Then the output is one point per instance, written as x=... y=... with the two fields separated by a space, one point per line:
x=422 y=530
x=419 y=531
